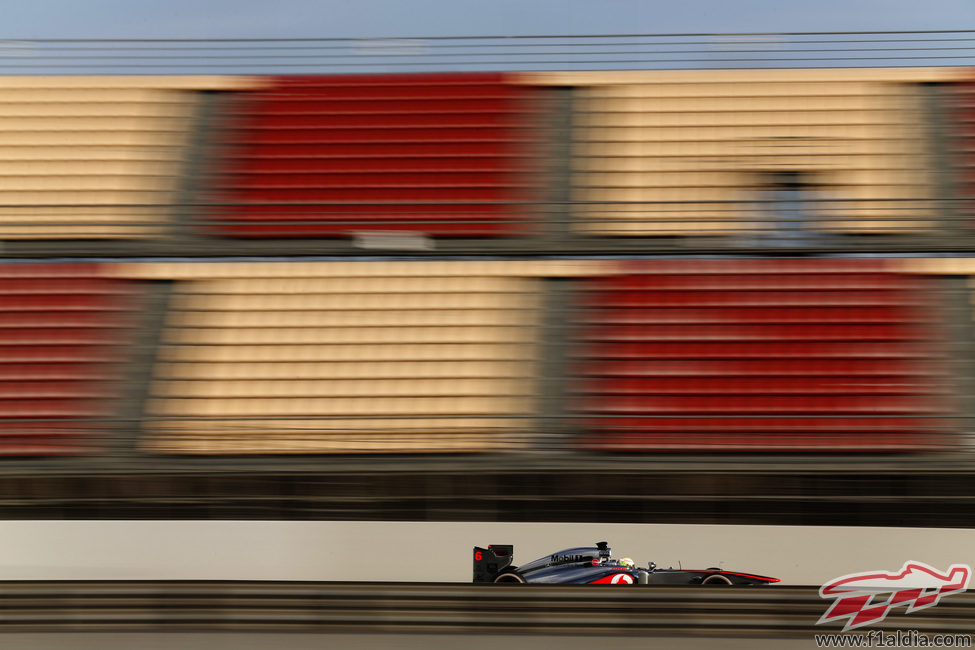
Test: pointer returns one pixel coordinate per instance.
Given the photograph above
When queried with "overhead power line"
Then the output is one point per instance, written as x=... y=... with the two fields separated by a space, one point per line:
x=502 y=53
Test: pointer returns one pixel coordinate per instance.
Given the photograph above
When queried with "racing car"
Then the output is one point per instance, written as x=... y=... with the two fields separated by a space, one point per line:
x=593 y=565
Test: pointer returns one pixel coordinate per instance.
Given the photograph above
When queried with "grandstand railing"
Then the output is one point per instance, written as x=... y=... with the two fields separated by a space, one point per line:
x=917 y=226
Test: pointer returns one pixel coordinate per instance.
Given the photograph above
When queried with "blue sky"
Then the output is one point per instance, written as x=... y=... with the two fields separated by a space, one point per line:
x=29 y=19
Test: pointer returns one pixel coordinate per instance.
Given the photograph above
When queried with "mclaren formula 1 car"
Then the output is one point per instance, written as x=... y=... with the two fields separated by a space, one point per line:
x=593 y=565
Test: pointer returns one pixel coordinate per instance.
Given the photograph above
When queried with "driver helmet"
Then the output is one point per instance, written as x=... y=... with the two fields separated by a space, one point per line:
x=627 y=562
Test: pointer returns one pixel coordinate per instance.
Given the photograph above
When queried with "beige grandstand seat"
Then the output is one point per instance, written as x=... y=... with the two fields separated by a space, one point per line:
x=313 y=357
x=697 y=152
x=94 y=157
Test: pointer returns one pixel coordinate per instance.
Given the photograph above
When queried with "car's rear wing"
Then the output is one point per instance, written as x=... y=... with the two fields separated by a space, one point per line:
x=491 y=561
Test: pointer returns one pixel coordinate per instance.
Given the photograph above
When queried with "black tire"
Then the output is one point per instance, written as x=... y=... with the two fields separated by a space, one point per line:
x=720 y=580
x=509 y=579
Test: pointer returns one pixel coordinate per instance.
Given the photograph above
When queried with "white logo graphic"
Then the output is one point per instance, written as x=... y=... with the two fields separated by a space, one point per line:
x=865 y=598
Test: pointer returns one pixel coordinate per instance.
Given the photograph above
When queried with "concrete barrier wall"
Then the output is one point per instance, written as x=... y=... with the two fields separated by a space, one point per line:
x=440 y=552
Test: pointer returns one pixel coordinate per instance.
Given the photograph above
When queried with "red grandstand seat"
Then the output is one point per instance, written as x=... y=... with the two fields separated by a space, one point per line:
x=59 y=340
x=963 y=140
x=760 y=355
x=443 y=154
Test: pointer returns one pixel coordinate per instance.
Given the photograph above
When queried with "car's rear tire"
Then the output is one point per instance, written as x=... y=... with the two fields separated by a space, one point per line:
x=509 y=579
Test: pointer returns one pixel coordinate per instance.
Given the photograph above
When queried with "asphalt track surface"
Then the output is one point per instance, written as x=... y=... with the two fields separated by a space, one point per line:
x=441 y=552
x=428 y=552
x=370 y=641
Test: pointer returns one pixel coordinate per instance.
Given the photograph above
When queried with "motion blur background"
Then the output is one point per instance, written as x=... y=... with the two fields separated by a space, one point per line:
x=720 y=279
x=275 y=293
x=728 y=295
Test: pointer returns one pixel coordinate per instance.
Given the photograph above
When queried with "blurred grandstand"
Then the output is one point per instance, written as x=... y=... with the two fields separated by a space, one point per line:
x=704 y=295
